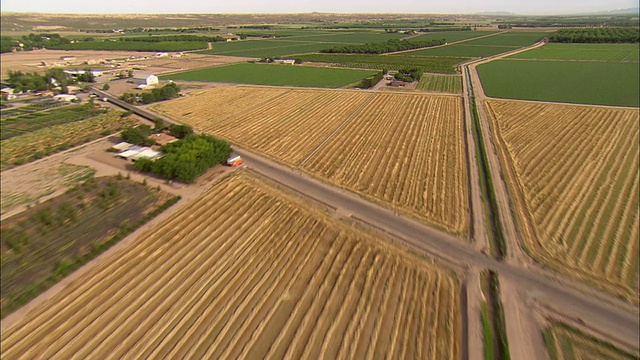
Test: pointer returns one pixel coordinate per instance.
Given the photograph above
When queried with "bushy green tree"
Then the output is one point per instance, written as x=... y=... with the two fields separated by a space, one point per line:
x=188 y=158
x=138 y=135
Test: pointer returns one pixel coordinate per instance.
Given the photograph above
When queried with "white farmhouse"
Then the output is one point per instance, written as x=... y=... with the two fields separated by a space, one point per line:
x=145 y=79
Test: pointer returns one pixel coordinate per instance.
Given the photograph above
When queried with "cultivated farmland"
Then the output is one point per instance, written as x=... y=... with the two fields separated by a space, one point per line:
x=583 y=82
x=248 y=271
x=485 y=46
x=404 y=150
x=573 y=175
x=566 y=342
x=440 y=83
x=389 y=62
x=608 y=52
x=274 y=74
x=36 y=144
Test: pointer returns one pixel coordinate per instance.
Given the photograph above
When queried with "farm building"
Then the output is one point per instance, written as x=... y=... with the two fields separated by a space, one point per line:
x=137 y=152
x=162 y=138
x=65 y=97
x=79 y=72
x=122 y=146
x=285 y=61
x=145 y=79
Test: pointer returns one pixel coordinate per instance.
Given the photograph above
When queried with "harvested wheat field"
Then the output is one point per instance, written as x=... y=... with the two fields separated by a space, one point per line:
x=566 y=343
x=249 y=271
x=403 y=150
x=573 y=175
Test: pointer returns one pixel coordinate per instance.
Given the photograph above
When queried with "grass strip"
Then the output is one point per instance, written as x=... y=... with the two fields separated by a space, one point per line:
x=499 y=246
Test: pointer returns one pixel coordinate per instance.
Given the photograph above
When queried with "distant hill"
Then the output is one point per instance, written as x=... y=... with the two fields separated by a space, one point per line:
x=496 y=13
x=628 y=11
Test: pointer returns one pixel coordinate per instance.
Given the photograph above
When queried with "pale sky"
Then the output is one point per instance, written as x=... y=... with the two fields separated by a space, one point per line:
x=304 y=6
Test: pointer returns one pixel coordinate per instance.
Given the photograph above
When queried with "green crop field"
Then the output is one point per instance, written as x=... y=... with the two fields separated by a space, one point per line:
x=451 y=36
x=485 y=46
x=265 y=48
x=440 y=83
x=350 y=37
x=582 y=82
x=463 y=50
x=510 y=38
x=597 y=52
x=272 y=74
x=442 y=64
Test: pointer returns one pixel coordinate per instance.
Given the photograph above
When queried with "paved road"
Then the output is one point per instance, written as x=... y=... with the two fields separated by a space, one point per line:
x=613 y=318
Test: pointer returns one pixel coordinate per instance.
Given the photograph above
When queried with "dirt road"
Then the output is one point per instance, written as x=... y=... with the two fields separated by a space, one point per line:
x=616 y=318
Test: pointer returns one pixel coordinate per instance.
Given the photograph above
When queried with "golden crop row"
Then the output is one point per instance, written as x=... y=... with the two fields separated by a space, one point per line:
x=247 y=271
x=404 y=150
x=567 y=343
x=574 y=171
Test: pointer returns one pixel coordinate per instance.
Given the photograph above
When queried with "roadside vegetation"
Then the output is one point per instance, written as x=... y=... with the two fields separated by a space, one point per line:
x=497 y=242
x=49 y=241
x=566 y=342
x=496 y=346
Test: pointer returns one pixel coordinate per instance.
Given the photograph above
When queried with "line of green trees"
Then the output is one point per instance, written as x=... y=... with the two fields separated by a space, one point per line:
x=163 y=38
x=372 y=80
x=51 y=79
x=383 y=47
x=166 y=92
x=596 y=35
x=186 y=159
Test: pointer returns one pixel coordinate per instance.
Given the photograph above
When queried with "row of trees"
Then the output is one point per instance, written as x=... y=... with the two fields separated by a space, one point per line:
x=165 y=38
x=372 y=80
x=166 y=92
x=188 y=158
x=596 y=35
x=139 y=135
x=52 y=78
x=383 y=47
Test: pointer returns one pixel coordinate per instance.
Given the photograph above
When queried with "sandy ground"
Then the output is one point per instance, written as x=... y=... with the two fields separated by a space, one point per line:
x=31 y=60
x=190 y=61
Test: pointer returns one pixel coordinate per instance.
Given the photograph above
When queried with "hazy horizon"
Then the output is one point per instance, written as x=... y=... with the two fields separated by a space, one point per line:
x=115 y=7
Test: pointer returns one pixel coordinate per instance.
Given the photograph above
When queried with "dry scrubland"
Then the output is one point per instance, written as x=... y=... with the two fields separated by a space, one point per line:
x=404 y=150
x=248 y=271
x=573 y=174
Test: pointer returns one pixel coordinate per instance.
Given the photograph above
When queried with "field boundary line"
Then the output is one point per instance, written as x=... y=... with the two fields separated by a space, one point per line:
x=365 y=102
